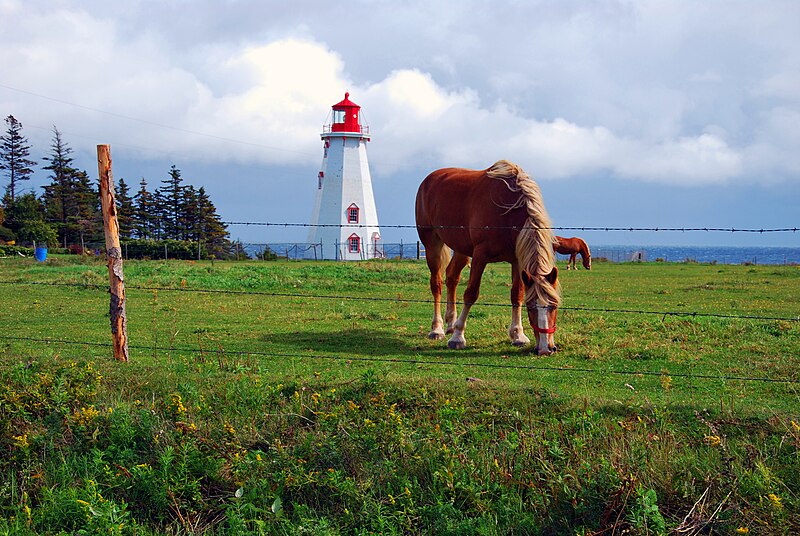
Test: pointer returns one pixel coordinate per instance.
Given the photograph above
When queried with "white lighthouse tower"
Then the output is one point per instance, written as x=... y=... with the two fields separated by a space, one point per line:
x=345 y=220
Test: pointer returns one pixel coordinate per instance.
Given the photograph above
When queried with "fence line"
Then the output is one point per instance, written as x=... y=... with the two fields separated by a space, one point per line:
x=693 y=314
x=514 y=227
x=422 y=362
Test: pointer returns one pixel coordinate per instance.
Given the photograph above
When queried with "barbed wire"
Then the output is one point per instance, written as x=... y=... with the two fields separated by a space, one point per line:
x=461 y=364
x=693 y=314
x=516 y=227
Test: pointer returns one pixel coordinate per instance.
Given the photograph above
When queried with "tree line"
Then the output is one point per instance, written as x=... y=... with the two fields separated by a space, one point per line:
x=68 y=214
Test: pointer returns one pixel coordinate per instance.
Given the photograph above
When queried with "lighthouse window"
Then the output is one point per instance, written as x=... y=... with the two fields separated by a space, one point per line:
x=352 y=214
x=355 y=244
x=338 y=116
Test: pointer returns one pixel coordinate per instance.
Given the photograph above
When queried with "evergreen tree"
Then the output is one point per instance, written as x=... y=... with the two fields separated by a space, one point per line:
x=89 y=216
x=143 y=212
x=190 y=217
x=60 y=205
x=125 y=209
x=171 y=197
x=14 y=152
x=70 y=200
x=210 y=229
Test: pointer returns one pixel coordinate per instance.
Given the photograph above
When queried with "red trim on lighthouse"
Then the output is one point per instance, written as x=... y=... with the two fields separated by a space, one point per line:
x=353 y=213
x=354 y=243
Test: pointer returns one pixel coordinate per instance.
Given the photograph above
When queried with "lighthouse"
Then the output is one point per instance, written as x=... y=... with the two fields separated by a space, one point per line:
x=344 y=224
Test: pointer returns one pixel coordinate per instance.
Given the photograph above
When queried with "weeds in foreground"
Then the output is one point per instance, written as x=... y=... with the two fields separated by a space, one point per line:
x=231 y=452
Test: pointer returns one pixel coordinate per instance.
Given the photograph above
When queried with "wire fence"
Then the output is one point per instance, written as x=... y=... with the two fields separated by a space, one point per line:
x=403 y=250
x=408 y=361
x=514 y=227
x=306 y=296
x=415 y=361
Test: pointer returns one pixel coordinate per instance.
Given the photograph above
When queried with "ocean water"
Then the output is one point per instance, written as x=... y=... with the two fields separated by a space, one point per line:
x=704 y=254
x=717 y=254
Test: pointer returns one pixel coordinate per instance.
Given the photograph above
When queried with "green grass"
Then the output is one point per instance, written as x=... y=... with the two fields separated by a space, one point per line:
x=256 y=410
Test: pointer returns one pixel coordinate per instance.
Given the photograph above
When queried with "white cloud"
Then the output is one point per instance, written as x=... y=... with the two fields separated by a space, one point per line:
x=626 y=90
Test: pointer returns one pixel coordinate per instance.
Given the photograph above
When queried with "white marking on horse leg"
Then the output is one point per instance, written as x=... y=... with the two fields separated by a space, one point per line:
x=458 y=341
x=542 y=346
x=437 y=329
x=450 y=315
x=515 y=330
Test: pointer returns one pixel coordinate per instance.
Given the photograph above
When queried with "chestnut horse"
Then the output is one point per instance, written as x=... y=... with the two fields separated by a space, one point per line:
x=573 y=246
x=491 y=215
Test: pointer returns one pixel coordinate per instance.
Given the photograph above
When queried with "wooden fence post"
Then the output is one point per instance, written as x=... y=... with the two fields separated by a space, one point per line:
x=119 y=320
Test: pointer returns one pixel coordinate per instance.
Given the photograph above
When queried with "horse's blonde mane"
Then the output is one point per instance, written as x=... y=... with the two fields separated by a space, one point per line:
x=534 y=247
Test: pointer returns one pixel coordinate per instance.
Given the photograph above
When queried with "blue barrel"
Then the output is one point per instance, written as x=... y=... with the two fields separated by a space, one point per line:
x=40 y=254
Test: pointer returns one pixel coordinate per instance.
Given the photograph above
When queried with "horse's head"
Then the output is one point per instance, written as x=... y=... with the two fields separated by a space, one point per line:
x=542 y=314
x=587 y=261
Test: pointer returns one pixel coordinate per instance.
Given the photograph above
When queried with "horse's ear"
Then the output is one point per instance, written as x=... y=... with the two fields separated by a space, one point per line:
x=527 y=280
x=552 y=277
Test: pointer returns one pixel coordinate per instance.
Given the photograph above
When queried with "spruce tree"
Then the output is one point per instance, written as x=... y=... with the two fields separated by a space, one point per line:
x=14 y=161
x=211 y=230
x=143 y=209
x=89 y=214
x=125 y=209
x=171 y=196
x=60 y=204
x=190 y=216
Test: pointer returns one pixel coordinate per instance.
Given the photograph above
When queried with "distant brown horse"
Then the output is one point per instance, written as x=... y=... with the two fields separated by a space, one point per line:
x=573 y=246
x=491 y=215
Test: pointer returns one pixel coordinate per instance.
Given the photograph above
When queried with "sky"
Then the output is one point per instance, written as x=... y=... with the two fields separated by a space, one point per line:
x=643 y=114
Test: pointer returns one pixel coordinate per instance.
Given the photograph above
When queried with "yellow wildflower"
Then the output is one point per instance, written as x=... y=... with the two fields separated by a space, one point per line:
x=775 y=500
x=742 y=530
x=86 y=415
x=21 y=441
x=176 y=404
x=713 y=440
x=229 y=429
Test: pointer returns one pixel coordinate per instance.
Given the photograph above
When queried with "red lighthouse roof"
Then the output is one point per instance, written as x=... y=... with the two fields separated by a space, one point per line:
x=346 y=103
x=346 y=117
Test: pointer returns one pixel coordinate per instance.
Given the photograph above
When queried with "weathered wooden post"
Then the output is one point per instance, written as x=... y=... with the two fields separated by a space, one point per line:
x=119 y=320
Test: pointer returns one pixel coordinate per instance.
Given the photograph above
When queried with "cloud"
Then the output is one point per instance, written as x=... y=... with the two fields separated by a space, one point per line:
x=613 y=89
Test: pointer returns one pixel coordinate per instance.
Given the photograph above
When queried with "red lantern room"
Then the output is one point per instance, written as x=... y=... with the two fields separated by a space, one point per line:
x=346 y=117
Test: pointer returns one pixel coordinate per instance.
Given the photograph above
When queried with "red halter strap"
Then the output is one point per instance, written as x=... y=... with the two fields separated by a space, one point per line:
x=538 y=330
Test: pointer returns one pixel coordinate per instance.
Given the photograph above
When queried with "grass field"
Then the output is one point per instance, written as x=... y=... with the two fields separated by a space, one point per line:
x=303 y=397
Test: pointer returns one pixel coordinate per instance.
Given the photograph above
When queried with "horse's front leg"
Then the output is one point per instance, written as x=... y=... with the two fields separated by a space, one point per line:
x=453 y=276
x=458 y=341
x=571 y=262
x=515 y=330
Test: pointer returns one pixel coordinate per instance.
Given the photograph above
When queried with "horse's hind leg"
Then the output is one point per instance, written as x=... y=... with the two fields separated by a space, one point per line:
x=453 y=276
x=436 y=255
x=515 y=330
x=571 y=262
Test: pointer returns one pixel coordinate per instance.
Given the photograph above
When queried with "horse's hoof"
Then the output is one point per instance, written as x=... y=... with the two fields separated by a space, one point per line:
x=456 y=345
x=436 y=335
